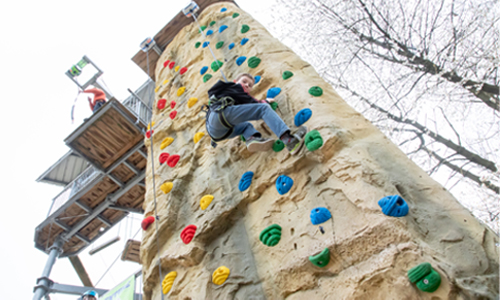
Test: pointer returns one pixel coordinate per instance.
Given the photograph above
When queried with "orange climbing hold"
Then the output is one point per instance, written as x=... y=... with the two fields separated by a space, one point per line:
x=163 y=157
x=172 y=104
x=198 y=136
x=205 y=201
x=177 y=68
x=173 y=114
x=183 y=70
x=181 y=91
x=166 y=142
x=161 y=104
x=220 y=275
x=173 y=160
x=192 y=101
x=171 y=65
x=167 y=187
x=147 y=221
x=188 y=233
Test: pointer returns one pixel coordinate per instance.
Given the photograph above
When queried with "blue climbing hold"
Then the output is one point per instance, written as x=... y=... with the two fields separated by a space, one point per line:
x=320 y=215
x=222 y=28
x=256 y=79
x=273 y=92
x=284 y=184
x=244 y=41
x=245 y=181
x=240 y=60
x=205 y=44
x=302 y=116
x=203 y=70
x=394 y=206
x=231 y=46
x=209 y=32
x=223 y=9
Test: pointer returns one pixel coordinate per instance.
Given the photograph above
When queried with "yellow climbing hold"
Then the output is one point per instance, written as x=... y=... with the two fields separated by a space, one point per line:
x=168 y=281
x=177 y=68
x=157 y=88
x=220 y=275
x=167 y=187
x=181 y=91
x=205 y=201
x=151 y=125
x=166 y=142
x=164 y=81
x=198 y=136
x=192 y=101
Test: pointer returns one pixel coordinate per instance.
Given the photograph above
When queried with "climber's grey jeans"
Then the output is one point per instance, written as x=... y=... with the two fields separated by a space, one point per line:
x=239 y=115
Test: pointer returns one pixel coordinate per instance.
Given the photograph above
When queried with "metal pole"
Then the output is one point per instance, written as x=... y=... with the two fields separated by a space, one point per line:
x=43 y=284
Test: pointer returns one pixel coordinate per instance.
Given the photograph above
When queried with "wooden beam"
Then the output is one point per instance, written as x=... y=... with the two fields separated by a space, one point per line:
x=80 y=270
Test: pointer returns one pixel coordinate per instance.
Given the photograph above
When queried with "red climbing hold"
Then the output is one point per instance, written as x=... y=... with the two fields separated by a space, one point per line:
x=163 y=157
x=172 y=64
x=173 y=114
x=161 y=104
x=187 y=234
x=147 y=221
x=183 y=70
x=173 y=160
x=165 y=64
x=172 y=104
x=148 y=133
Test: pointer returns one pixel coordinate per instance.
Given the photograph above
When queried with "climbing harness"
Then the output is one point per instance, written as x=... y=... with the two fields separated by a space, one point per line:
x=217 y=106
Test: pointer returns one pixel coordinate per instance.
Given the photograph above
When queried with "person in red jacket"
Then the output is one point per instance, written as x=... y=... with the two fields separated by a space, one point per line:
x=99 y=98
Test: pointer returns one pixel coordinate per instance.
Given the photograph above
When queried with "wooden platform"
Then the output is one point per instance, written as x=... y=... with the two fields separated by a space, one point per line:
x=166 y=35
x=132 y=251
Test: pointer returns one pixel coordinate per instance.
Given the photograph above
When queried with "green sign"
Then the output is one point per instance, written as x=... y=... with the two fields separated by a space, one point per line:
x=123 y=291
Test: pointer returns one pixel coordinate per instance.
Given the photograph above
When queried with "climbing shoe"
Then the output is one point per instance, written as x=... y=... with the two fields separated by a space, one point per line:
x=255 y=144
x=294 y=143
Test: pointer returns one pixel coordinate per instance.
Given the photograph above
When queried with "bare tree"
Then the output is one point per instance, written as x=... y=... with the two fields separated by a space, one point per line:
x=425 y=72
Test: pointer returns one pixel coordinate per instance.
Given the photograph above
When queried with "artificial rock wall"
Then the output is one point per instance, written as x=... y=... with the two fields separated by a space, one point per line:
x=370 y=253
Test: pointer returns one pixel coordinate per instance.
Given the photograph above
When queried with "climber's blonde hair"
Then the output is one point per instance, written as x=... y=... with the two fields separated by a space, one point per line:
x=244 y=75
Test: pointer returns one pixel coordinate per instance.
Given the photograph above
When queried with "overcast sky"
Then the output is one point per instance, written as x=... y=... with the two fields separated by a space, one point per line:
x=40 y=40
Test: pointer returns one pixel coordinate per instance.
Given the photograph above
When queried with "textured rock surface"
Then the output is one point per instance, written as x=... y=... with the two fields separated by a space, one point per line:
x=370 y=253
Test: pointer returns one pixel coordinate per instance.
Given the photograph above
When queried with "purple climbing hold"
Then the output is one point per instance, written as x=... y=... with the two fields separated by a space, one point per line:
x=205 y=44
x=302 y=116
x=284 y=184
x=240 y=60
x=273 y=92
x=222 y=28
x=245 y=181
x=203 y=70
x=244 y=41
x=320 y=215
x=256 y=79
x=231 y=46
x=223 y=9
x=209 y=32
x=394 y=206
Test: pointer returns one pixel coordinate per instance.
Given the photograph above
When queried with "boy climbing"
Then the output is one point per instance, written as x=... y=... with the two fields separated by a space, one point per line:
x=230 y=109
x=99 y=98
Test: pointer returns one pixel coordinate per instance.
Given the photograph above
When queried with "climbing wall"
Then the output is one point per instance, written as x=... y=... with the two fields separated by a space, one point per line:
x=349 y=217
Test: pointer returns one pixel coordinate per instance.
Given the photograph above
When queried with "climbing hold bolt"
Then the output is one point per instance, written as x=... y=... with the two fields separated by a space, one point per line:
x=253 y=62
x=147 y=221
x=167 y=187
x=207 y=77
x=172 y=114
x=322 y=259
x=161 y=104
x=240 y=60
x=205 y=201
x=167 y=141
x=302 y=116
x=173 y=160
x=181 y=91
x=188 y=233
x=394 y=206
x=245 y=28
x=198 y=136
x=286 y=75
x=271 y=235
x=245 y=181
x=321 y=229
x=163 y=157
x=168 y=281
x=273 y=92
x=425 y=277
x=284 y=184
x=320 y=215
x=316 y=91
x=278 y=146
x=222 y=28
x=183 y=70
x=313 y=140
x=216 y=65
x=219 y=45
x=203 y=70
x=191 y=102
x=243 y=41
x=220 y=275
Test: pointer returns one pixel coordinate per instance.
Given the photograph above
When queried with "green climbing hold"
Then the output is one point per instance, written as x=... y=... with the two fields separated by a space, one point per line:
x=235 y=15
x=253 y=62
x=242 y=138
x=212 y=23
x=207 y=77
x=216 y=65
x=430 y=283
x=287 y=74
x=245 y=28
x=203 y=28
x=322 y=259
x=219 y=45
x=274 y=105
x=316 y=91
x=197 y=45
x=278 y=146
x=271 y=235
x=313 y=140
x=416 y=273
